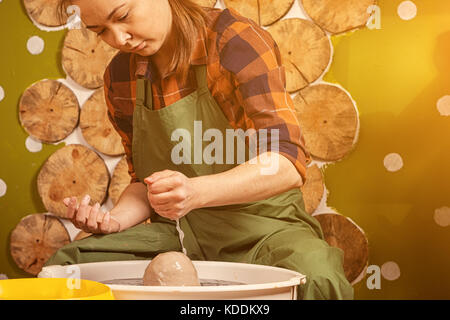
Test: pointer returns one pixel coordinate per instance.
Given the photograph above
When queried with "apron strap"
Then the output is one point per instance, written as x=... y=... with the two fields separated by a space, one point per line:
x=140 y=90
x=201 y=76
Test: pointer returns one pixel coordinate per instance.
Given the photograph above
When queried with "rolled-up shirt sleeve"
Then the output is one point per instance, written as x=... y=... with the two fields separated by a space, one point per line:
x=253 y=58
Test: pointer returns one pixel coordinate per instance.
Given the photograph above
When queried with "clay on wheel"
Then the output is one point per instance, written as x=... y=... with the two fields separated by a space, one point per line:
x=171 y=269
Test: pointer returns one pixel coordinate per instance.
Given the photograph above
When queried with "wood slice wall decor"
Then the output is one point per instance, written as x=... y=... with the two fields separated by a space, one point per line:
x=342 y=233
x=206 y=3
x=313 y=189
x=263 y=12
x=339 y=16
x=73 y=170
x=35 y=239
x=119 y=181
x=97 y=129
x=45 y=12
x=305 y=51
x=328 y=119
x=49 y=111
x=85 y=57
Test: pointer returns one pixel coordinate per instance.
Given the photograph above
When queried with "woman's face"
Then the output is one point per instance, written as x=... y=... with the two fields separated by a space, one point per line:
x=140 y=26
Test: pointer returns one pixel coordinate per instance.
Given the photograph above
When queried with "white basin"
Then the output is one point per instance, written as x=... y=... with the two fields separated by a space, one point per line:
x=260 y=282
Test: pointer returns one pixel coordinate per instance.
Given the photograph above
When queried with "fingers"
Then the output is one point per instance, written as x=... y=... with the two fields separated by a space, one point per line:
x=166 y=184
x=158 y=175
x=92 y=218
x=71 y=207
x=105 y=223
x=163 y=198
x=82 y=213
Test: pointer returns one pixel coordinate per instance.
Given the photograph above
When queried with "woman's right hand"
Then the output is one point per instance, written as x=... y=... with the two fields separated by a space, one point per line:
x=90 y=219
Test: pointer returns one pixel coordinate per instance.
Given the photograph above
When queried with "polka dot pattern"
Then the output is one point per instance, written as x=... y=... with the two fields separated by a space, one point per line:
x=407 y=10
x=393 y=162
x=443 y=106
x=33 y=145
x=390 y=271
x=35 y=45
x=442 y=216
x=2 y=188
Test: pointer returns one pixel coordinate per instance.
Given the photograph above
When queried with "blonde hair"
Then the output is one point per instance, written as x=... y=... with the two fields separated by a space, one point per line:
x=189 y=22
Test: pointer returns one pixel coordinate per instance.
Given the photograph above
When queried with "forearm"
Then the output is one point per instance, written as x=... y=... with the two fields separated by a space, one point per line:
x=246 y=183
x=132 y=207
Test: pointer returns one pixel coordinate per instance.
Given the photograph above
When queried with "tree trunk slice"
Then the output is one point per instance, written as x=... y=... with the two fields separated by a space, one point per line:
x=73 y=170
x=271 y=11
x=35 y=239
x=263 y=12
x=305 y=51
x=85 y=57
x=45 y=12
x=246 y=8
x=96 y=128
x=49 y=111
x=328 y=119
x=205 y=3
x=82 y=235
x=341 y=232
x=313 y=188
x=119 y=181
x=339 y=16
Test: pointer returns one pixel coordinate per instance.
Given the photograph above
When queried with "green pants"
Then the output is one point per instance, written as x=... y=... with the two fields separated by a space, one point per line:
x=277 y=239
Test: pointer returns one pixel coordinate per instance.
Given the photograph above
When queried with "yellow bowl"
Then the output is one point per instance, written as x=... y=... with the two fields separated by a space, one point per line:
x=54 y=289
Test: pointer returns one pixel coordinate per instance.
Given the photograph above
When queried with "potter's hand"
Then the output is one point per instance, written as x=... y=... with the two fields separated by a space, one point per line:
x=88 y=218
x=171 y=194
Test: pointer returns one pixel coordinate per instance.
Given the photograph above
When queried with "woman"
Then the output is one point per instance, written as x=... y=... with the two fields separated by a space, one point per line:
x=182 y=69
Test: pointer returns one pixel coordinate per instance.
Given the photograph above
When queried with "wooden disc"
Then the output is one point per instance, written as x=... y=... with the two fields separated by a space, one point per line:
x=328 y=119
x=49 y=111
x=119 y=181
x=339 y=16
x=85 y=57
x=45 y=12
x=342 y=233
x=82 y=235
x=313 y=188
x=96 y=128
x=73 y=170
x=305 y=51
x=263 y=12
x=205 y=3
x=35 y=239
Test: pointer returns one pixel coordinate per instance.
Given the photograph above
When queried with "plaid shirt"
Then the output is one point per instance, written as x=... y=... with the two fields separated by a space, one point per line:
x=245 y=77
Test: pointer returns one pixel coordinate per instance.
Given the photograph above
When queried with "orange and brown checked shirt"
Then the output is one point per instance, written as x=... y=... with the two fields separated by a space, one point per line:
x=245 y=77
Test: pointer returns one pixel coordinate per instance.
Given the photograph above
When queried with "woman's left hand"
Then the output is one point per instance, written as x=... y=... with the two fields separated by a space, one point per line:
x=171 y=194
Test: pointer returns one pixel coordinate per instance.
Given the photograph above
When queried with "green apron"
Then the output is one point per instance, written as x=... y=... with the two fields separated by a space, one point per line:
x=275 y=231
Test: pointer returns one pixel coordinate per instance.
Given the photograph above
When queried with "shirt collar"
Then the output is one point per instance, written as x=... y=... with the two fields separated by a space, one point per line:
x=198 y=57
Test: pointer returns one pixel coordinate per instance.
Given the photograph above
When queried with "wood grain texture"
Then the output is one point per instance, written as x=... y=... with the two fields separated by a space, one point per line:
x=45 y=12
x=328 y=119
x=313 y=189
x=49 y=111
x=73 y=170
x=263 y=12
x=305 y=51
x=339 y=16
x=85 y=57
x=119 y=181
x=97 y=129
x=35 y=239
x=341 y=232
